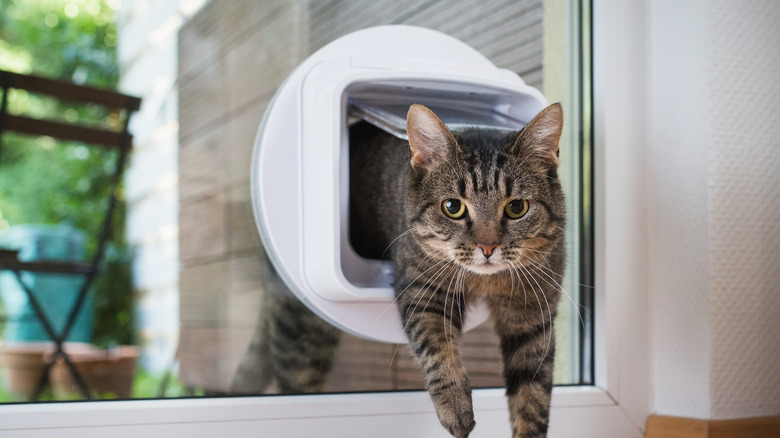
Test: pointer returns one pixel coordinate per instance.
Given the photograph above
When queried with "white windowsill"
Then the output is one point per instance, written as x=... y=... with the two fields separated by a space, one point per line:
x=410 y=414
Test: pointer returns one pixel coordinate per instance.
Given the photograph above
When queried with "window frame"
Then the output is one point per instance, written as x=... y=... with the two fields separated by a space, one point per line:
x=615 y=406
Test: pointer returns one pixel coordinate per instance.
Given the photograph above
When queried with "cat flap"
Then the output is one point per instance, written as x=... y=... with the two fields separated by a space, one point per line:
x=300 y=189
x=386 y=105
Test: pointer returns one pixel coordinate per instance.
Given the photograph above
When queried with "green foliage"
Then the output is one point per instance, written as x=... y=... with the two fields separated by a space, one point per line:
x=145 y=386
x=43 y=181
x=113 y=319
x=48 y=181
x=165 y=385
x=67 y=39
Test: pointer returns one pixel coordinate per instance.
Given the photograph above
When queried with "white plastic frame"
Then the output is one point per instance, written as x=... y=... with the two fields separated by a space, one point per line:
x=616 y=407
x=300 y=175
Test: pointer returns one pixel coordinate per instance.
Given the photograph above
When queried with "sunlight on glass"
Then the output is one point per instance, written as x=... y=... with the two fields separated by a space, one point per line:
x=167 y=28
x=80 y=152
x=113 y=4
x=93 y=8
x=4 y=224
x=51 y=20
x=46 y=142
x=71 y=115
x=113 y=120
x=71 y=10
x=189 y=7
x=166 y=182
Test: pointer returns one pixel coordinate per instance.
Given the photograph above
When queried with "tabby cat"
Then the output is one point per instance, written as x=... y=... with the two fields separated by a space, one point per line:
x=475 y=214
x=480 y=215
x=292 y=349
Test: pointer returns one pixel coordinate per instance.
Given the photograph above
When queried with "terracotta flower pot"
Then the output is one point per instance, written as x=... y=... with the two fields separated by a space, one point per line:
x=109 y=373
x=106 y=372
x=21 y=366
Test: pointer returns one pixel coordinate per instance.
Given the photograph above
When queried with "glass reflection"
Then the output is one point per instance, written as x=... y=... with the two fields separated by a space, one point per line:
x=211 y=316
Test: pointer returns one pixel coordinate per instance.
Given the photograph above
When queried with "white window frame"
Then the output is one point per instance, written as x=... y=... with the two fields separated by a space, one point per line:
x=616 y=406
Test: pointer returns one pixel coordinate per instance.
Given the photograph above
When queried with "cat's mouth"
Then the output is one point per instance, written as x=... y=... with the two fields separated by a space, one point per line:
x=487 y=265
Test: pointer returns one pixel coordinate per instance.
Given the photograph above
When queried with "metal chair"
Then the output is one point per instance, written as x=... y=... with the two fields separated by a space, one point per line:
x=107 y=138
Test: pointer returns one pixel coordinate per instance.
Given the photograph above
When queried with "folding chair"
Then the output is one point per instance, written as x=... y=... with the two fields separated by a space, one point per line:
x=107 y=138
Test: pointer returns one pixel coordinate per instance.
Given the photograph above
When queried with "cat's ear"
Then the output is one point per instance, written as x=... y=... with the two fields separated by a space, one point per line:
x=430 y=142
x=541 y=136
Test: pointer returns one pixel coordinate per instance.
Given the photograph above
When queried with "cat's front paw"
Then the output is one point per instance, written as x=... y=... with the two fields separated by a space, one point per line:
x=456 y=414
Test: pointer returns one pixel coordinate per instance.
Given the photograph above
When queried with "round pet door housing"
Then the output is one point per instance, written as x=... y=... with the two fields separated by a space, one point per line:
x=300 y=163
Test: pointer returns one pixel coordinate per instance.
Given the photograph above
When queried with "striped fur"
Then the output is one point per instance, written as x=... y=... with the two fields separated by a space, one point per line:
x=292 y=349
x=443 y=264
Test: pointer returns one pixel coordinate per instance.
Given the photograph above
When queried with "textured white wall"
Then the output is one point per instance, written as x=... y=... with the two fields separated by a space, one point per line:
x=744 y=205
x=678 y=196
x=714 y=243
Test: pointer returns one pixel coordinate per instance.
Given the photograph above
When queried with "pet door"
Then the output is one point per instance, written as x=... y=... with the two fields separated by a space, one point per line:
x=302 y=149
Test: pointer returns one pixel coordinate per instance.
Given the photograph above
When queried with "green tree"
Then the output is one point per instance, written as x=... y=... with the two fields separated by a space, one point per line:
x=47 y=181
x=67 y=39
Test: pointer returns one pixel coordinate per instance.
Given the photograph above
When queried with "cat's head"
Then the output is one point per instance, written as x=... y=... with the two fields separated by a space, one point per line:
x=487 y=200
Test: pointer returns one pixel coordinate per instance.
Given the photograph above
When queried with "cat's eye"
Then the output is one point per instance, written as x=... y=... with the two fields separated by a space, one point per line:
x=516 y=208
x=453 y=208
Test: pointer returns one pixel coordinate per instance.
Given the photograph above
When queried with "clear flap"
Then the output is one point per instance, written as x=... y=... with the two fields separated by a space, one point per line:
x=385 y=106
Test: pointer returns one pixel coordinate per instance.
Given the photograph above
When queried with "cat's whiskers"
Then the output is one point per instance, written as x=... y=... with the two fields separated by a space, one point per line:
x=459 y=294
x=461 y=285
x=549 y=269
x=393 y=303
x=549 y=313
x=515 y=271
x=511 y=270
x=399 y=236
x=428 y=257
x=546 y=271
x=560 y=228
x=437 y=289
x=511 y=278
x=426 y=287
x=556 y=285
x=543 y=253
x=456 y=296
x=444 y=316
x=518 y=271
x=528 y=277
x=419 y=297
x=447 y=336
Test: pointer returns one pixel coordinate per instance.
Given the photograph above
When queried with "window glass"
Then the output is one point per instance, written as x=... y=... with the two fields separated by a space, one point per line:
x=202 y=285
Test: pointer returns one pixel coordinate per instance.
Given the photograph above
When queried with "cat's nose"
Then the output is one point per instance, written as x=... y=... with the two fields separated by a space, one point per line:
x=487 y=249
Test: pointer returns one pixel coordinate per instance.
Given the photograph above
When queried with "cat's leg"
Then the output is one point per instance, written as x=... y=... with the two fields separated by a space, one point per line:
x=292 y=347
x=433 y=331
x=255 y=373
x=303 y=347
x=527 y=349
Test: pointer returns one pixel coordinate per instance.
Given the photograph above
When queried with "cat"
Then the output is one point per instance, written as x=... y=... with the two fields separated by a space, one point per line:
x=474 y=214
x=467 y=215
x=292 y=349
